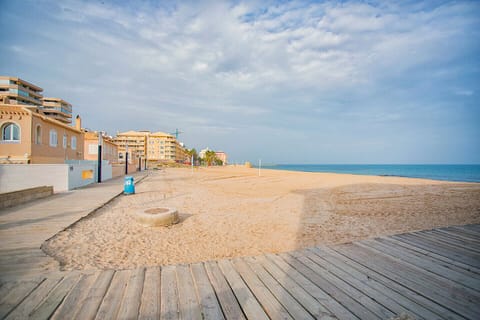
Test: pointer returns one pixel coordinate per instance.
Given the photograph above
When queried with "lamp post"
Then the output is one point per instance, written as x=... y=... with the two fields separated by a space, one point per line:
x=100 y=141
x=126 y=158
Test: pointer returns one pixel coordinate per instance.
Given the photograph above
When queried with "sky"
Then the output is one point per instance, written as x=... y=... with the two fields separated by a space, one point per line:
x=320 y=82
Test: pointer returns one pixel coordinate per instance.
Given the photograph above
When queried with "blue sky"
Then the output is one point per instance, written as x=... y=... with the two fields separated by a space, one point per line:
x=287 y=82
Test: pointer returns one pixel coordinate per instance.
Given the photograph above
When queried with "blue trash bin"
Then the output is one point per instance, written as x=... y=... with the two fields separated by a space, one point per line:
x=129 y=186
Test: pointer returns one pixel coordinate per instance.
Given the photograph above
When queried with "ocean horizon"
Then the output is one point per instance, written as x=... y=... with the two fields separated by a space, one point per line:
x=443 y=172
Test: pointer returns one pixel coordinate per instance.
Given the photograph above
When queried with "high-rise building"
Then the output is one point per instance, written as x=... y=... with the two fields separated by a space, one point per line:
x=20 y=92
x=57 y=109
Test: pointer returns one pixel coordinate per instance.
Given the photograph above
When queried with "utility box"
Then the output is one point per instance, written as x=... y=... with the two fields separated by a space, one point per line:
x=129 y=186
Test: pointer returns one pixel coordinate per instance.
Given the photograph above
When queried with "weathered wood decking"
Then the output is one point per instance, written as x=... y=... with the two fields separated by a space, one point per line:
x=430 y=274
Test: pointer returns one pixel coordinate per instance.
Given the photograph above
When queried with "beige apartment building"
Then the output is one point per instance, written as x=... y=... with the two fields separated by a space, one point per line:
x=17 y=91
x=28 y=136
x=135 y=141
x=57 y=109
x=155 y=147
x=109 y=147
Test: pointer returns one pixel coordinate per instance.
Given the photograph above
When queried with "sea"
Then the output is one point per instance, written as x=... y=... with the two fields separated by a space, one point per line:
x=446 y=172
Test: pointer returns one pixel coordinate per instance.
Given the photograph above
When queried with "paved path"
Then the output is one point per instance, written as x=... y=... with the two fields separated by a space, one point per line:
x=425 y=275
x=24 y=228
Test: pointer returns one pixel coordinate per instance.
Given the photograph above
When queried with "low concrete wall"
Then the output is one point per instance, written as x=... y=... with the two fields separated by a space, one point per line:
x=14 y=198
x=118 y=169
x=14 y=177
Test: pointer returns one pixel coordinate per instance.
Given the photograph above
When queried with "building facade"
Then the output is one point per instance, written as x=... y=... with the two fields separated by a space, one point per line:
x=109 y=147
x=17 y=91
x=154 y=147
x=28 y=136
x=222 y=156
x=57 y=109
x=135 y=142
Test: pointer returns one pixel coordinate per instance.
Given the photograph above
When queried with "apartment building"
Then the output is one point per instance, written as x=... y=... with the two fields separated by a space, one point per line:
x=162 y=146
x=29 y=136
x=135 y=141
x=57 y=109
x=109 y=147
x=17 y=91
x=155 y=147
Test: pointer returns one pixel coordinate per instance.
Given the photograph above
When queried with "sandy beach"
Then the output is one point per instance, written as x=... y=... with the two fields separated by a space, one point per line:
x=231 y=211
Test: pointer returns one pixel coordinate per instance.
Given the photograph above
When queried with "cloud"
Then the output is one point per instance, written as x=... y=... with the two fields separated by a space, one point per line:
x=298 y=64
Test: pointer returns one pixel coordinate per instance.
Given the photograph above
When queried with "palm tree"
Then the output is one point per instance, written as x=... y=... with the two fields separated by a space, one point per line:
x=210 y=157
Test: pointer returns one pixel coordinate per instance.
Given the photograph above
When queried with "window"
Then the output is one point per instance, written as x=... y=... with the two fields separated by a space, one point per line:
x=92 y=149
x=74 y=143
x=53 y=138
x=11 y=132
x=64 y=141
x=38 y=134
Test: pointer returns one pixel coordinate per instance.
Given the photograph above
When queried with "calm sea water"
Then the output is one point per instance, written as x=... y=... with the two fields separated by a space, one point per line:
x=465 y=173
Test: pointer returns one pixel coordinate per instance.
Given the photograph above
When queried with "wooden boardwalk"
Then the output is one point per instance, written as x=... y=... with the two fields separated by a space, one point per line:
x=426 y=275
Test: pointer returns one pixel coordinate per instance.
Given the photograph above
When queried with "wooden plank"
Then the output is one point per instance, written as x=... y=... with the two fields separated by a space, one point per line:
x=95 y=296
x=168 y=294
x=475 y=228
x=395 y=301
x=35 y=298
x=110 y=305
x=370 y=308
x=208 y=302
x=450 y=241
x=454 y=264
x=413 y=278
x=445 y=243
x=368 y=288
x=187 y=299
x=269 y=303
x=422 y=301
x=226 y=298
x=75 y=298
x=458 y=235
x=308 y=285
x=294 y=289
x=150 y=307
x=433 y=247
x=294 y=308
x=334 y=292
x=133 y=293
x=55 y=297
x=19 y=291
x=450 y=289
x=465 y=231
x=245 y=297
x=447 y=274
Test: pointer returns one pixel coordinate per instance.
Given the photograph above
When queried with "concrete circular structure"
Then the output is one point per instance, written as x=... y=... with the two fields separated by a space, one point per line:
x=157 y=217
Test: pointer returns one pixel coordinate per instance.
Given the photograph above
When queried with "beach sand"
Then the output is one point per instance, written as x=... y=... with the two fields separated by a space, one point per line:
x=231 y=211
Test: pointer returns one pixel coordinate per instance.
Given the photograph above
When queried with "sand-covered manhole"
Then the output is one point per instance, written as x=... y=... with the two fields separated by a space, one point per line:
x=157 y=217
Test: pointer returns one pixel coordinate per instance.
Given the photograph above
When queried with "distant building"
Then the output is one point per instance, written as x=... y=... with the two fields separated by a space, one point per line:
x=17 y=91
x=29 y=136
x=162 y=146
x=57 y=109
x=154 y=147
x=222 y=156
x=135 y=141
x=109 y=147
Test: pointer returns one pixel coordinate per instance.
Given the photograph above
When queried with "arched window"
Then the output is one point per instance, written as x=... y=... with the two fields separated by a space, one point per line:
x=10 y=132
x=38 y=134
x=53 y=138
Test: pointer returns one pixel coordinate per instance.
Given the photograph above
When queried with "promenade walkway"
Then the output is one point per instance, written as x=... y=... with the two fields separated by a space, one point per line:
x=24 y=228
